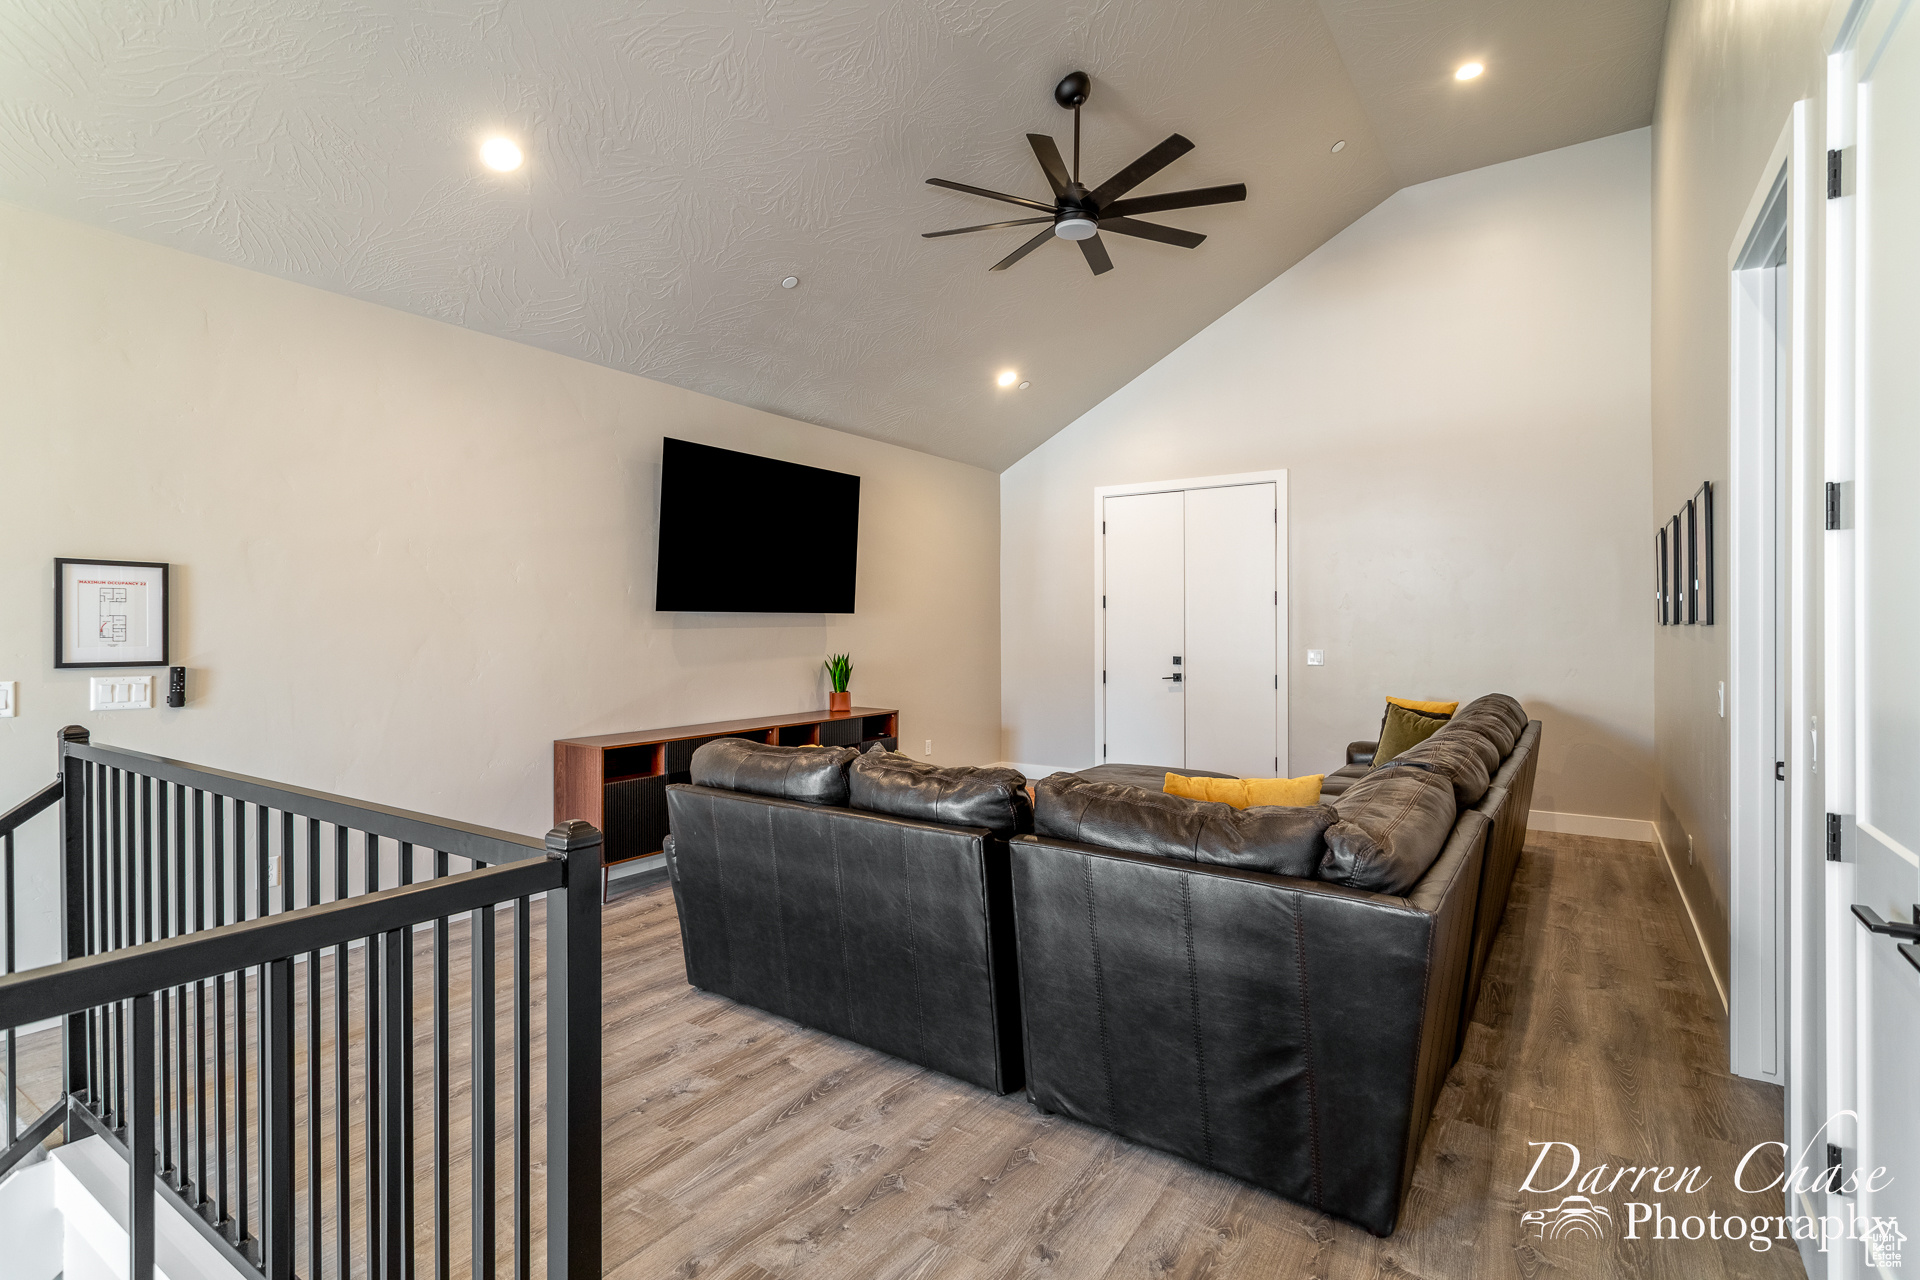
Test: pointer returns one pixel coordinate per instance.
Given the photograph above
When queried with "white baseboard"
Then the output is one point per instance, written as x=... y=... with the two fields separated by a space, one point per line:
x=1699 y=937
x=1591 y=824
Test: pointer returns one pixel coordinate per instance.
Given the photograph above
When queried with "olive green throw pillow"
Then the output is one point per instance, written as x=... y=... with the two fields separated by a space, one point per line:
x=1404 y=728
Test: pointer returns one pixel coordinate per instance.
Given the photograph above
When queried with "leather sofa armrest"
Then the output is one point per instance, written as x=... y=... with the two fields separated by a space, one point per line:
x=1362 y=752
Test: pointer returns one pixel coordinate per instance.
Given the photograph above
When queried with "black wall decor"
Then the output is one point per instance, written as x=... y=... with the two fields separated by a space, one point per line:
x=1703 y=579
x=1660 y=564
x=1683 y=563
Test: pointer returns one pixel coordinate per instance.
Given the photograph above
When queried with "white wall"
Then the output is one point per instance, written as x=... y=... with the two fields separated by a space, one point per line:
x=408 y=556
x=1459 y=386
x=1729 y=77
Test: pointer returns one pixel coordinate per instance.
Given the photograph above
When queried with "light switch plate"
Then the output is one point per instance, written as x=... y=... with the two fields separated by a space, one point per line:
x=120 y=693
x=1316 y=657
x=9 y=699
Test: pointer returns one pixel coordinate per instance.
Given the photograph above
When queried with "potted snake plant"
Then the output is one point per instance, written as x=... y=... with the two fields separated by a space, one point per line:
x=839 y=671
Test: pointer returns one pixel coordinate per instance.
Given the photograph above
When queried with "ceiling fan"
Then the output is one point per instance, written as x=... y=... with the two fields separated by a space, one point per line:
x=1080 y=215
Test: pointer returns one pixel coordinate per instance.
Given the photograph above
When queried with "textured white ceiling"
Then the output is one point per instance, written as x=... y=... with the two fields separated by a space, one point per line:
x=682 y=158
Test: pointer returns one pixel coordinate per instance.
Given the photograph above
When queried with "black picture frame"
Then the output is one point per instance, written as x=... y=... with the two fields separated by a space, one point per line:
x=1703 y=511
x=1660 y=576
x=1676 y=589
x=1691 y=582
x=63 y=658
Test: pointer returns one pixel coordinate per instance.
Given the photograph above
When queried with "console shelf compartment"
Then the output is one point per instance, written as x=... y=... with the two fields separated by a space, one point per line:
x=618 y=781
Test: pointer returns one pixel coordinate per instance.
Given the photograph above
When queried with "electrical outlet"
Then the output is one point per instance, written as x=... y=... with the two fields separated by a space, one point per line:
x=274 y=868
x=929 y=750
x=1316 y=657
x=9 y=699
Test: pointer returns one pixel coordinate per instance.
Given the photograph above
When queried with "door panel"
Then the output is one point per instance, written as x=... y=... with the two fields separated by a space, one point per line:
x=1232 y=630
x=1145 y=629
x=1886 y=520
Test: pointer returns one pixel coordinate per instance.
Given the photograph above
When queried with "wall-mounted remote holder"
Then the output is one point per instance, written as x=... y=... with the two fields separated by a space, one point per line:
x=176 y=686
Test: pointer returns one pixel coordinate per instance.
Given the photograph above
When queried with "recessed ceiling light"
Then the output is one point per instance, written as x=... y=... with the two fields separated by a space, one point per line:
x=500 y=154
x=1007 y=378
x=1023 y=386
x=790 y=282
x=1468 y=70
x=1340 y=146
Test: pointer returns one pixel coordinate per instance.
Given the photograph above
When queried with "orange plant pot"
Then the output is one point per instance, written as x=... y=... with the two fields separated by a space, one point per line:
x=839 y=702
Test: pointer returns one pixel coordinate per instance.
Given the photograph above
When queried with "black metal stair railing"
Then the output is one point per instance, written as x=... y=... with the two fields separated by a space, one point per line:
x=227 y=940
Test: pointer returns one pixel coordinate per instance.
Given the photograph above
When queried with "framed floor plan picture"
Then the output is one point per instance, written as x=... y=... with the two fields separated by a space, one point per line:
x=109 y=613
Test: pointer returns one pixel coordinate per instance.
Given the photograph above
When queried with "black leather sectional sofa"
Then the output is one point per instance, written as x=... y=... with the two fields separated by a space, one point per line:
x=1277 y=994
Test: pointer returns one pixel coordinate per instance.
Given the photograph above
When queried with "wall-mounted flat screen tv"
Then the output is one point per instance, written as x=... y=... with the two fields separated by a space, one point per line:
x=745 y=534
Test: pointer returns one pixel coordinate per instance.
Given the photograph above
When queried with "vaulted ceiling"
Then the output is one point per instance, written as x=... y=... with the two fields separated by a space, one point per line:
x=683 y=158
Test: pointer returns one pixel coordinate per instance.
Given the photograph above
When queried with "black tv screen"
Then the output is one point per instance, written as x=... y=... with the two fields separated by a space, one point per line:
x=744 y=534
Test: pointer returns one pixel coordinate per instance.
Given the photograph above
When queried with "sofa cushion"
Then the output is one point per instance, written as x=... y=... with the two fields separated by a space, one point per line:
x=1453 y=760
x=811 y=775
x=1470 y=738
x=1507 y=707
x=1494 y=724
x=1391 y=825
x=960 y=795
x=1284 y=841
x=1245 y=793
x=1150 y=777
x=1402 y=727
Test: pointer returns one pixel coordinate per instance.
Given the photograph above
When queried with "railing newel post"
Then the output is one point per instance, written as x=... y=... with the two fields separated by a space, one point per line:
x=573 y=1057
x=73 y=919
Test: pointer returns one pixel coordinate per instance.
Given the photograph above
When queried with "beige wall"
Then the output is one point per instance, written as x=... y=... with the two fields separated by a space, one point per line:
x=1730 y=77
x=408 y=556
x=1458 y=386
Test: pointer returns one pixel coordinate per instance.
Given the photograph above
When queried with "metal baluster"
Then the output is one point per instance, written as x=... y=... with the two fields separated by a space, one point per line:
x=13 y=1066
x=140 y=1146
x=94 y=1065
x=276 y=1120
x=396 y=1177
x=164 y=998
x=399 y=1084
x=116 y=909
x=483 y=1095
x=200 y=1197
x=442 y=1144
x=180 y=993
x=220 y=1214
x=522 y=1104
x=370 y=843
x=313 y=1054
x=343 y=1192
x=574 y=1167
x=240 y=1190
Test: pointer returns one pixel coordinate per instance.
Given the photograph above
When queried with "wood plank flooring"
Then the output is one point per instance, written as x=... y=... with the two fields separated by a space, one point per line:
x=740 y=1146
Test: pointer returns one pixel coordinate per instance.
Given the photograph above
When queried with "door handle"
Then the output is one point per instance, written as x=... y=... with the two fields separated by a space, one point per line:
x=1175 y=677
x=1892 y=928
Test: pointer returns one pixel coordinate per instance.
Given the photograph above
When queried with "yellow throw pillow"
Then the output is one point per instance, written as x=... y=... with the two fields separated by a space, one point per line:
x=1246 y=793
x=1430 y=708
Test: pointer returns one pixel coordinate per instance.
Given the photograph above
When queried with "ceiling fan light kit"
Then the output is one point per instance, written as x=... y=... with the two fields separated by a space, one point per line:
x=1079 y=214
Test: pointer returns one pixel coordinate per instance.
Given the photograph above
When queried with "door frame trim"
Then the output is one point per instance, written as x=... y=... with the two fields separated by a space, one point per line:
x=1282 y=568
x=1758 y=1027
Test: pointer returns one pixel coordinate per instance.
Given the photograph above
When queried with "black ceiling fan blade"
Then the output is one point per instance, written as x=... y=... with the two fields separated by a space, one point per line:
x=991 y=195
x=1096 y=254
x=1153 y=231
x=1023 y=251
x=1048 y=154
x=985 y=226
x=1142 y=169
x=1176 y=200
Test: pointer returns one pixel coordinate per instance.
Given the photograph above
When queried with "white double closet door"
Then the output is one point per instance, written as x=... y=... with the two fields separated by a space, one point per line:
x=1192 y=625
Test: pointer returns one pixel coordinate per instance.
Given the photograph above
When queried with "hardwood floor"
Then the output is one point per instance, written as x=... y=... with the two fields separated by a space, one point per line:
x=743 y=1147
